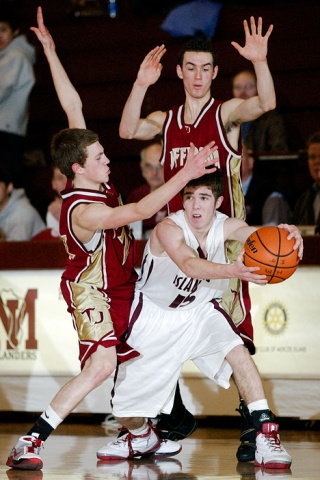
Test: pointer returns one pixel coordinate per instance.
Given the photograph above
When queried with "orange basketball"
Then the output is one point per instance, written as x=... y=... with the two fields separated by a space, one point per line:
x=269 y=249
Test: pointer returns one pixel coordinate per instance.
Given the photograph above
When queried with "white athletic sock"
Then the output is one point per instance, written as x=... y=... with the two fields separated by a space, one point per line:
x=51 y=417
x=258 y=405
x=141 y=430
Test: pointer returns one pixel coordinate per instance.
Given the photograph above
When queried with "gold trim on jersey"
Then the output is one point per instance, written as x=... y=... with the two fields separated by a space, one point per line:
x=64 y=240
x=91 y=312
x=236 y=194
x=93 y=273
x=232 y=299
x=124 y=238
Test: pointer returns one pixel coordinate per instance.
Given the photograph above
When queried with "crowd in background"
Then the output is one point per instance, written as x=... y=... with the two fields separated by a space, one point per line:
x=283 y=190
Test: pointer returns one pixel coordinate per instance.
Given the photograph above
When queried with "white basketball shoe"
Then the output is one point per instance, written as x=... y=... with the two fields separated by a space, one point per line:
x=269 y=451
x=131 y=446
x=25 y=454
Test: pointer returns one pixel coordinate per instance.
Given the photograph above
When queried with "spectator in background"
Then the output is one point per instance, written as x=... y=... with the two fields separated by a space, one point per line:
x=58 y=183
x=265 y=201
x=255 y=187
x=307 y=208
x=17 y=57
x=267 y=133
x=19 y=220
x=276 y=208
x=152 y=172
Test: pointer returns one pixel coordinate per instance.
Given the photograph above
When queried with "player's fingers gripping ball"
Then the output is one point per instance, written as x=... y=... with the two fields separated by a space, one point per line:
x=269 y=249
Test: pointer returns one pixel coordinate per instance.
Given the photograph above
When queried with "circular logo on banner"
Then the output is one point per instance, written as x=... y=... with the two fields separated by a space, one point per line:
x=275 y=319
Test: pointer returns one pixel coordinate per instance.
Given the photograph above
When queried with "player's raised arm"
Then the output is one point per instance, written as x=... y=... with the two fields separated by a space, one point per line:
x=254 y=50
x=67 y=94
x=131 y=125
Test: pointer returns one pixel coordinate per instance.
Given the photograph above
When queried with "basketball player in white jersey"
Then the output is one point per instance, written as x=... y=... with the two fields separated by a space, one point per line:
x=177 y=316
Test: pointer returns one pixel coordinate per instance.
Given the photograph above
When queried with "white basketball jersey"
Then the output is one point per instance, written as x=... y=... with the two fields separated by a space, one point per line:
x=163 y=283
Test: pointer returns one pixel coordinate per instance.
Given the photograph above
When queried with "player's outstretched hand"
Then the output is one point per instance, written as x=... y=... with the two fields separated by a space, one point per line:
x=42 y=32
x=294 y=232
x=201 y=162
x=247 y=273
x=151 y=67
x=256 y=45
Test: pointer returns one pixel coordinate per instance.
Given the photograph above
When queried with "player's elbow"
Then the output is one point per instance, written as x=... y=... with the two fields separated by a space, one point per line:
x=142 y=211
x=187 y=268
x=125 y=133
x=269 y=105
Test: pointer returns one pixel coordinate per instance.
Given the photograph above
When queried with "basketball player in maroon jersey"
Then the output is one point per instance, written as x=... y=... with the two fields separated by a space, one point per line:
x=200 y=119
x=99 y=277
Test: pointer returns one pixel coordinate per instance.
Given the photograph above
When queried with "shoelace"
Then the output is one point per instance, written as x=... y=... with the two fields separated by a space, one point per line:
x=35 y=447
x=131 y=452
x=128 y=439
x=274 y=441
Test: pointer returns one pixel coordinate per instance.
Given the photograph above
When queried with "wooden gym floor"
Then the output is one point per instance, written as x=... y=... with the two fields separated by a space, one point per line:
x=209 y=453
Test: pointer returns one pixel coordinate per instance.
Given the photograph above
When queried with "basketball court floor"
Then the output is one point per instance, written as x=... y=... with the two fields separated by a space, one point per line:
x=209 y=453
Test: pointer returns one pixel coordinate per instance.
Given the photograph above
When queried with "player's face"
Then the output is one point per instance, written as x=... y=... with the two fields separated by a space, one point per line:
x=96 y=168
x=200 y=206
x=314 y=161
x=6 y=35
x=197 y=73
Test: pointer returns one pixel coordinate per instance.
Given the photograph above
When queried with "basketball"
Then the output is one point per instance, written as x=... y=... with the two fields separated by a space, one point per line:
x=269 y=249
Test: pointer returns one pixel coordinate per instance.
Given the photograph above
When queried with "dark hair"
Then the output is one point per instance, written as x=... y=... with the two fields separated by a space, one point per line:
x=69 y=146
x=197 y=44
x=214 y=181
x=5 y=176
x=314 y=138
x=8 y=15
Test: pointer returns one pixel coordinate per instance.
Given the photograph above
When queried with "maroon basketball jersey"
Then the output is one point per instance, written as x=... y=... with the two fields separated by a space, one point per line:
x=177 y=136
x=117 y=244
x=108 y=267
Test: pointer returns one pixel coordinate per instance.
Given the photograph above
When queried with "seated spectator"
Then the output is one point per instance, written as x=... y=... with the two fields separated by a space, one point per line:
x=17 y=57
x=58 y=183
x=152 y=172
x=255 y=188
x=307 y=207
x=265 y=201
x=19 y=220
x=276 y=209
x=267 y=133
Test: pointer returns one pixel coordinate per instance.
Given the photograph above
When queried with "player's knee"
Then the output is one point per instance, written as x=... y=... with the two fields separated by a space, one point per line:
x=237 y=355
x=99 y=372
